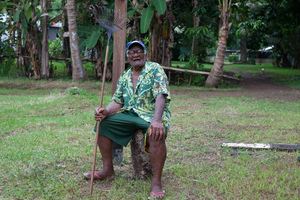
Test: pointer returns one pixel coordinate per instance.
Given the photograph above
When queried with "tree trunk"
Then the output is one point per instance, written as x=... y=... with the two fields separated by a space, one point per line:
x=156 y=37
x=97 y=66
x=168 y=37
x=45 y=53
x=119 y=45
x=243 y=48
x=285 y=61
x=66 y=43
x=34 y=46
x=296 y=63
x=140 y=159
x=196 y=25
x=78 y=72
x=216 y=73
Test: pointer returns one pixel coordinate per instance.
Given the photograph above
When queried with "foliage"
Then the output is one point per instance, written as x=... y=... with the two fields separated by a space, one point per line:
x=6 y=67
x=199 y=32
x=282 y=20
x=184 y=31
x=239 y=76
x=6 y=48
x=233 y=58
x=181 y=57
x=251 y=61
x=23 y=14
x=55 y=10
x=148 y=12
x=55 y=47
x=193 y=64
x=77 y=91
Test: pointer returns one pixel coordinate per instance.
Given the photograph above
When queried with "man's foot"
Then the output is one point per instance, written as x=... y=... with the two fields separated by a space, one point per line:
x=98 y=175
x=157 y=195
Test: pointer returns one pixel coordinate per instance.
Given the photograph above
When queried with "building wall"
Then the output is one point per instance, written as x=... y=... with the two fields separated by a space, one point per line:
x=53 y=32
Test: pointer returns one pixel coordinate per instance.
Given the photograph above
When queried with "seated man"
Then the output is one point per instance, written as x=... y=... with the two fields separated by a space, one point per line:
x=141 y=101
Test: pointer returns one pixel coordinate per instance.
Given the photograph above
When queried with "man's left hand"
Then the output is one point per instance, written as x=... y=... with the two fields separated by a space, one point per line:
x=156 y=130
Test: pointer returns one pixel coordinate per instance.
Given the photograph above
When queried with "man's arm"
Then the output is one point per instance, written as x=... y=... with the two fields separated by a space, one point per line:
x=157 y=130
x=111 y=109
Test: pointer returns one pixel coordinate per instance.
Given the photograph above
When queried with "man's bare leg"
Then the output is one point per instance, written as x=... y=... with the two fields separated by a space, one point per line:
x=158 y=154
x=105 y=146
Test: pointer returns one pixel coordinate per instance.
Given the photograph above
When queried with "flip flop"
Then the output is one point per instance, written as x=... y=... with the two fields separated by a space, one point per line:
x=88 y=176
x=154 y=195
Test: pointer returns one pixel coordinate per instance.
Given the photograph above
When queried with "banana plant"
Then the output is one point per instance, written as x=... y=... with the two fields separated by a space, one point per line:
x=25 y=21
x=90 y=36
x=147 y=13
x=23 y=15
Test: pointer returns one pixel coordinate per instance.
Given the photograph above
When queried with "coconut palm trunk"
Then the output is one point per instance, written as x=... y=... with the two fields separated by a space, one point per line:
x=216 y=73
x=45 y=52
x=78 y=72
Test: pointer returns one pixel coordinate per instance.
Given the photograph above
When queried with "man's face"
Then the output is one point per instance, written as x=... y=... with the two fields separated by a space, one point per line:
x=136 y=56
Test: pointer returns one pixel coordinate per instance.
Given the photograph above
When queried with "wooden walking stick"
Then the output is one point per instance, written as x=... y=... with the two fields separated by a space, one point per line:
x=111 y=24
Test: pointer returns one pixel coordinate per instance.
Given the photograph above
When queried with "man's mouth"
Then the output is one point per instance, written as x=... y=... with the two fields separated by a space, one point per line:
x=136 y=59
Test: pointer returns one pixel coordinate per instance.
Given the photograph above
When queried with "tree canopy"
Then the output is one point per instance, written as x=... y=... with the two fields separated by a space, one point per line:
x=172 y=30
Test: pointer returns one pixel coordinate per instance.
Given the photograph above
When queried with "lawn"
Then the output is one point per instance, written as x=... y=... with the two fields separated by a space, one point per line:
x=47 y=144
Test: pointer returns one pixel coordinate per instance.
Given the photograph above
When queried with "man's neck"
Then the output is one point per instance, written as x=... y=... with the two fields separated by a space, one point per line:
x=137 y=69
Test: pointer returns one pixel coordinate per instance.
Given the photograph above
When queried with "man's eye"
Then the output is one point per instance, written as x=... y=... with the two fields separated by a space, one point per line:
x=133 y=52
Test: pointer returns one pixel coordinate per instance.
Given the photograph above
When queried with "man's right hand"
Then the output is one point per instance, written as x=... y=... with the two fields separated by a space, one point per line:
x=100 y=113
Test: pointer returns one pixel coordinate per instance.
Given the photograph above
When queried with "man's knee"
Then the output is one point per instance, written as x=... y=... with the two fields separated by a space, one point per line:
x=157 y=144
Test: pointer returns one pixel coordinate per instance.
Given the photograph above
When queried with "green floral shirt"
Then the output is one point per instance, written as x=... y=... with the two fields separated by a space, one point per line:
x=151 y=82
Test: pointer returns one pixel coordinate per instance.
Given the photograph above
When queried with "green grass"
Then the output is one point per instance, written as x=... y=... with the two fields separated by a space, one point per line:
x=47 y=144
x=279 y=75
x=268 y=68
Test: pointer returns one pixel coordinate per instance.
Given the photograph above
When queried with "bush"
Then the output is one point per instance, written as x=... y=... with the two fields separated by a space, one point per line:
x=197 y=79
x=6 y=67
x=233 y=58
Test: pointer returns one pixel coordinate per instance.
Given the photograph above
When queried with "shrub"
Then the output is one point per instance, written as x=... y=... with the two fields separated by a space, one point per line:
x=6 y=67
x=233 y=58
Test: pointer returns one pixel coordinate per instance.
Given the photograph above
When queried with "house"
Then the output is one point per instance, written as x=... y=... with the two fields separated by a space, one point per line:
x=265 y=55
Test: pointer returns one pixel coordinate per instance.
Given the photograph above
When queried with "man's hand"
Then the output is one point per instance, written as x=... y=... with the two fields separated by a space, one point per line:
x=100 y=113
x=156 y=130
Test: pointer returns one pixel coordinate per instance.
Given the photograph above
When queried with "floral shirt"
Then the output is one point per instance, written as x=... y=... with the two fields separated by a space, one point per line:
x=151 y=82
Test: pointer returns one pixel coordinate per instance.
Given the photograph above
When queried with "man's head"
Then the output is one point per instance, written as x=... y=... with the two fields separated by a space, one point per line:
x=136 y=53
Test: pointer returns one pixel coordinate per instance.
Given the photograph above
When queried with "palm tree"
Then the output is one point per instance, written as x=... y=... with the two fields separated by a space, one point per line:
x=78 y=72
x=45 y=53
x=216 y=73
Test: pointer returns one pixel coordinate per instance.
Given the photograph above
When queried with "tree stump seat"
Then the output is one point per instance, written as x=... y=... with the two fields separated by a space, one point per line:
x=142 y=167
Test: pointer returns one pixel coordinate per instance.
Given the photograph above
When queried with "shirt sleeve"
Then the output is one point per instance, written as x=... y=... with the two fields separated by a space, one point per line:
x=118 y=96
x=160 y=83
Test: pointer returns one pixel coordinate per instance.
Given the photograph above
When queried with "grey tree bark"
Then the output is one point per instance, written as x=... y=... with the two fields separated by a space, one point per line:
x=78 y=72
x=45 y=52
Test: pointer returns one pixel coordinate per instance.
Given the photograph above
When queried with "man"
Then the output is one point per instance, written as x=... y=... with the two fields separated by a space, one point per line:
x=141 y=101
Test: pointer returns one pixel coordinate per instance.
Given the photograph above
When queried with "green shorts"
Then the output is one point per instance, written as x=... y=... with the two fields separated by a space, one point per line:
x=121 y=127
